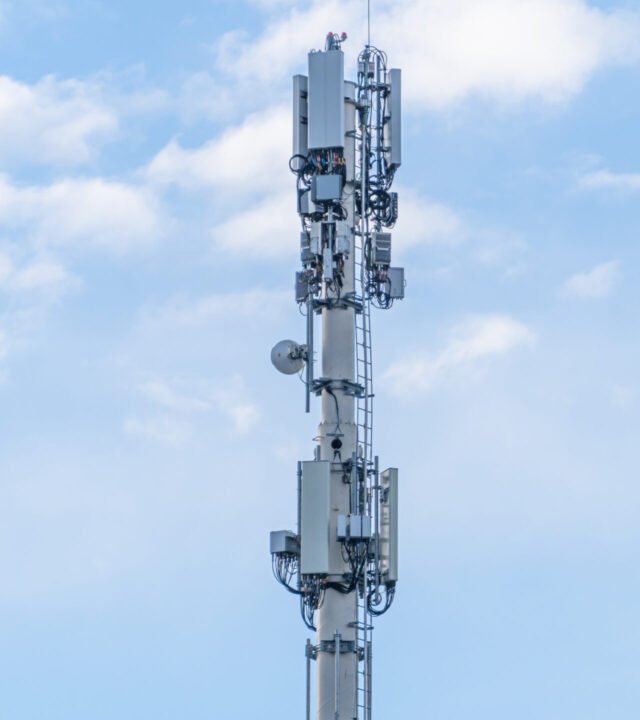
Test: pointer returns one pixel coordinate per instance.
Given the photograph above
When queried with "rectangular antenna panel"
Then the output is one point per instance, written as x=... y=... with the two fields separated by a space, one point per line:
x=349 y=129
x=389 y=525
x=395 y=283
x=315 y=513
x=300 y=116
x=326 y=100
x=393 y=120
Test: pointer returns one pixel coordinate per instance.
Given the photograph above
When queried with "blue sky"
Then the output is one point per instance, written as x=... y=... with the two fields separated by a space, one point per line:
x=147 y=249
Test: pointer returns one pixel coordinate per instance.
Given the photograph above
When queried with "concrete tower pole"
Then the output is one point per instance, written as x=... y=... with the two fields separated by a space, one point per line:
x=337 y=663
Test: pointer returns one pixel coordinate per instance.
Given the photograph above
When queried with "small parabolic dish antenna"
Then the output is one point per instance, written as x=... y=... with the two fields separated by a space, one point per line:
x=287 y=356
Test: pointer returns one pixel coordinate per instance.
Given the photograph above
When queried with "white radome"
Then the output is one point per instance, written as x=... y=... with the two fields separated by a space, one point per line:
x=287 y=357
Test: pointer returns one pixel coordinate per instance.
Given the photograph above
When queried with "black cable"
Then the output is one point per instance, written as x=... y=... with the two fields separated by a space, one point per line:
x=335 y=399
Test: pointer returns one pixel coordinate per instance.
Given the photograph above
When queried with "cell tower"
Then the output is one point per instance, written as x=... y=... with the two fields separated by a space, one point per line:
x=343 y=560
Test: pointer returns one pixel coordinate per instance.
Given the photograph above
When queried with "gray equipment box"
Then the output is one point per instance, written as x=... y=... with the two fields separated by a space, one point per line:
x=306 y=256
x=284 y=542
x=326 y=188
x=326 y=100
x=305 y=206
x=315 y=516
x=395 y=283
x=393 y=121
x=381 y=248
x=359 y=527
x=343 y=234
x=353 y=527
x=302 y=286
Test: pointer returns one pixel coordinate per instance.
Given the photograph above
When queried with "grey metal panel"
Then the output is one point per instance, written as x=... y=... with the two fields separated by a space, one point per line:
x=315 y=517
x=359 y=527
x=326 y=99
x=300 y=115
x=349 y=127
x=283 y=542
x=381 y=247
x=326 y=188
x=306 y=206
x=302 y=286
x=389 y=525
x=393 y=125
x=395 y=283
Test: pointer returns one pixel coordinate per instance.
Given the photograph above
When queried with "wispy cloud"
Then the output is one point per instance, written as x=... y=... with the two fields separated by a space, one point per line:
x=39 y=275
x=196 y=312
x=4 y=344
x=176 y=407
x=596 y=283
x=169 y=397
x=623 y=396
x=477 y=338
x=160 y=428
x=607 y=180
x=233 y=401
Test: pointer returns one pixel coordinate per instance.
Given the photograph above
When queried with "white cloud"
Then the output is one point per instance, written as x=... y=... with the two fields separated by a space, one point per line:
x=285 y=41
x=596 y=283
x=53 y=121
x=92 y=212
x=245 y=415
x=189 y=312
x=271 y=4
x=606 y=180
x=39 y=275
x=424 y=222
x=174 y=403
x=623 y=396
x=245 y=159
x=167 y=396
x=161 y=428
x=4 y=344
x=477 y=338
x=507 y=50
x=501 y=249
x=205 y=96
x=232 y=400
x=267 y=229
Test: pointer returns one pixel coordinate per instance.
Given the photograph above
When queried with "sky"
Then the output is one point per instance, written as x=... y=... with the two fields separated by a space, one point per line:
x=148 y=241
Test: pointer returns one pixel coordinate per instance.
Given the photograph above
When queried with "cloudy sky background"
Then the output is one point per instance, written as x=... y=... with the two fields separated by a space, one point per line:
x=147 y=249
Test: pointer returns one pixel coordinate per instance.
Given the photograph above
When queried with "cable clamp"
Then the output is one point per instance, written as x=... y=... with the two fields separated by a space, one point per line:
x=329 y=646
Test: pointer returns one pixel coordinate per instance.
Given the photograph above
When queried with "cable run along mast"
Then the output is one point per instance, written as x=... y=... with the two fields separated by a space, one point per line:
x=342 y=561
